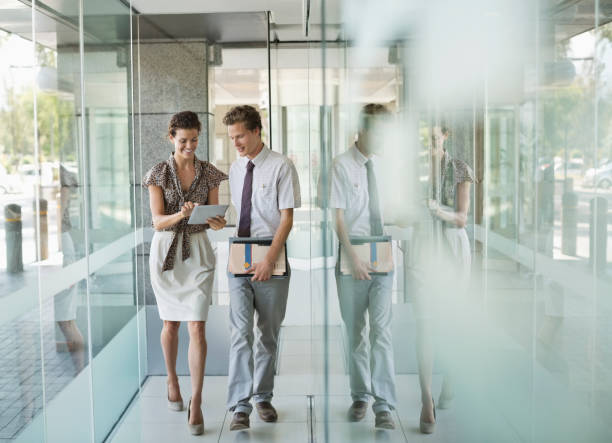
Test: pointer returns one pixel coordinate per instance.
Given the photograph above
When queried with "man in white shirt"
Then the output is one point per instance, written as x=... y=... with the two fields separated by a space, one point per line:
x=264 y=190
x=355 y=198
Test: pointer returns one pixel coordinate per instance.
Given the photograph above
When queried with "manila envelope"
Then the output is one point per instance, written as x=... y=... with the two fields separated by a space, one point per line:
x=379 y=255
x=242 y=256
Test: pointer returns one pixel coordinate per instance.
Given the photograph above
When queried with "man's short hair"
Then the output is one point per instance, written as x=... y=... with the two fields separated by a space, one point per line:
x=243 y=114
x=371 y=113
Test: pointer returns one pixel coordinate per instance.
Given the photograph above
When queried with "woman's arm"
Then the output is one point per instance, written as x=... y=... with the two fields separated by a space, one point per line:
x=161 y=220
x=460 y=216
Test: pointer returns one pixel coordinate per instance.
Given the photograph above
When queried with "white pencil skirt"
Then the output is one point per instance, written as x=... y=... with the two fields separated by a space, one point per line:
x=183 y=293
x=459 y=245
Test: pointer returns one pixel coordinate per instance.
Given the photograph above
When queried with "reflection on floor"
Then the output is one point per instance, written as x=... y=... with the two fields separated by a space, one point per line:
x=148 y=419
x=21 y=381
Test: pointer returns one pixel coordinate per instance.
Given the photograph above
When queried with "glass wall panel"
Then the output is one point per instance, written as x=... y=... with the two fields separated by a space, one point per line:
x=65 y=314
x=495 y=197
x=240 y=77
x=22 y=390
x=601 y=334
x=48 y=294
x=111 y=220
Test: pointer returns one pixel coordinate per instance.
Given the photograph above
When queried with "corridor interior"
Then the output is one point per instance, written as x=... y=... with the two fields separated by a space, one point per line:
x=300 y=392
x=299 y=399
x=87 y=89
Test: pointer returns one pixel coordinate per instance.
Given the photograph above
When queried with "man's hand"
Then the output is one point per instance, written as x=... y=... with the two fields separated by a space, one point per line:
x=360 y=270
x=263 y=270
x=216 y=223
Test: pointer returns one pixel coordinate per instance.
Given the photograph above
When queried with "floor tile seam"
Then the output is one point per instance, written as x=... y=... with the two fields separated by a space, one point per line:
x=204 y=397
x=311 y=418
x=172 y=423
x=222 y=426
x=401 y=425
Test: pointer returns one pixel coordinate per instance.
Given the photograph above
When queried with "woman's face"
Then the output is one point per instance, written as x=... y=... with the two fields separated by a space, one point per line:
x=437 y=141
x=185 y=143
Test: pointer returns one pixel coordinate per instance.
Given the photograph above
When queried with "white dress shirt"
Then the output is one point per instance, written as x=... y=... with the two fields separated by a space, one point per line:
x=275 y=187
x=349 y=190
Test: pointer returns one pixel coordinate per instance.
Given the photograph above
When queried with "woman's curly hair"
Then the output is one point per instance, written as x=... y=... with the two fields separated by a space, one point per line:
x=184 y=120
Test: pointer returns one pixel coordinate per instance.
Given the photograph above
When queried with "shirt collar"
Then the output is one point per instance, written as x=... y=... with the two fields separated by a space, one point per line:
x=358 y=156
x=259 y=158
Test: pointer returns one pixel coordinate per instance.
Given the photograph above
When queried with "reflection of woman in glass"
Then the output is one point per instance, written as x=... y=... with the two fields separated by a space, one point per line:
x=182 y=261
x=449 y=204
x=65 y=303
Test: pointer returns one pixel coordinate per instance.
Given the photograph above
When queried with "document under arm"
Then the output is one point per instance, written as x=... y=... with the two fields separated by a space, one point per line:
x=246 y=251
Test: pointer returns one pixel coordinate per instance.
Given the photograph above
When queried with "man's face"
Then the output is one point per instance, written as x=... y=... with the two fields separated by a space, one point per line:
x=246 y=142
x=375 y=136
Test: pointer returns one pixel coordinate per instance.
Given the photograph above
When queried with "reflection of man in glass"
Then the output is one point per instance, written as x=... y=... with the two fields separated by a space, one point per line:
x=65 y=302
x=355 y=197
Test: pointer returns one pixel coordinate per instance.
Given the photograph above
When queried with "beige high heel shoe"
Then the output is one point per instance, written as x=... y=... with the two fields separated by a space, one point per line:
x=174 y=405
x=428 y=428
x=197 y=429
x=445 y=402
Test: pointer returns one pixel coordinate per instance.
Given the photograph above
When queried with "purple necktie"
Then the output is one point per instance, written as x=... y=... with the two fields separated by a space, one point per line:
x=244 y=226
x=376 y=227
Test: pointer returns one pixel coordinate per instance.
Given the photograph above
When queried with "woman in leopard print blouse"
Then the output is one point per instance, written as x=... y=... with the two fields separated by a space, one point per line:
x=450 y=203
x=181 y=260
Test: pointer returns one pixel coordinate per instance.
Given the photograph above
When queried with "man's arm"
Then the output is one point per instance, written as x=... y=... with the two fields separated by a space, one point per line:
x=359 y=269
x=263 y=269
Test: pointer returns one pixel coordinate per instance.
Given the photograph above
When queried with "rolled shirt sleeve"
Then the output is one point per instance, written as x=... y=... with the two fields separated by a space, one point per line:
x=337 y=192
x=288 y=186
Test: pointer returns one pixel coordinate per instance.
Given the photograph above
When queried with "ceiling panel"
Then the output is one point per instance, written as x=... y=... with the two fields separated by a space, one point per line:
x=284 y=11
x=216 y=27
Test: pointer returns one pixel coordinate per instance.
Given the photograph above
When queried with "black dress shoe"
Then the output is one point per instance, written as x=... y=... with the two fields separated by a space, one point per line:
x=384 y=420
x=357 y=410
x=266 y=411
x=239 y=421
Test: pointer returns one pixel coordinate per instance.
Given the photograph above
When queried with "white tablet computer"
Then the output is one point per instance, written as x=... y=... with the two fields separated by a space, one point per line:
x=203 y=212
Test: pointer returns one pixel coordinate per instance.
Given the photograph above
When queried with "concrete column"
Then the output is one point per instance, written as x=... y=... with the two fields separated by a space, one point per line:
x=42 y=237
x=14 y=238
x=569 y=223
x=598 y=234
x=169 y=77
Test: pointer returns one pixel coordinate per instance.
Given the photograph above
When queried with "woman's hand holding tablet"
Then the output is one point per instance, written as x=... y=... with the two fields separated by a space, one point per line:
x=203 y=213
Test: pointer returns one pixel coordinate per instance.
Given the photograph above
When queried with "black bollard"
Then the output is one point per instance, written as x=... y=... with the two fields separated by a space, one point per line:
x=569 y=223
x=598 y=234
x=43 y=237
x=12 y=227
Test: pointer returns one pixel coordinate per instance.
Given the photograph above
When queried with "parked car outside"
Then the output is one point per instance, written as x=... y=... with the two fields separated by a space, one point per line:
x=9 y=183
x=573 y=170
x=600 y=177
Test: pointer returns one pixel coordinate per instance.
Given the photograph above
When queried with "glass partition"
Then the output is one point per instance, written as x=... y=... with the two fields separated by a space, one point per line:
x=67 y=268
x=496 y=200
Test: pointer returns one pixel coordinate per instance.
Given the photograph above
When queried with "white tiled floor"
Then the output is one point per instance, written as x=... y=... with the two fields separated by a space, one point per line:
x=148 y=419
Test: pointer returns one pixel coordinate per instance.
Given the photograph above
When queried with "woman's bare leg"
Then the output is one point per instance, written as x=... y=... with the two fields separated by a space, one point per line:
x=74 y=342
x=169 y=343
x=424 y=349
x=197 y=361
